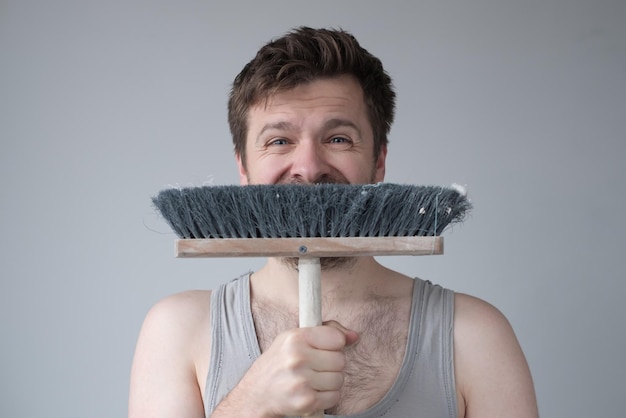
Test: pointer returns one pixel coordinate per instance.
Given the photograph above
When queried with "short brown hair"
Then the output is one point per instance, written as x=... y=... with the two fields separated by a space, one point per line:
x=304 y=55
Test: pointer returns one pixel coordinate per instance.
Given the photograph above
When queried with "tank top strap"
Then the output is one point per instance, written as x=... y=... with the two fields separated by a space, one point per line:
x=234 y=345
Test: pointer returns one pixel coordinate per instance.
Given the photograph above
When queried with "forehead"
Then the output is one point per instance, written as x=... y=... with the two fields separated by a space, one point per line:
x=327 y=97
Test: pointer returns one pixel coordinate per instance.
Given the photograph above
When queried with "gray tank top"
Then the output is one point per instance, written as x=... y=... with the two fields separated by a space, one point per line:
x=424 y=387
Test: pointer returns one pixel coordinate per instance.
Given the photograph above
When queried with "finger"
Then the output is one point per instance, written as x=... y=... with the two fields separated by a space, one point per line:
x=350 y=336
x=326 y=399
x=325 y=337
x=327 y=361
x=327 y=381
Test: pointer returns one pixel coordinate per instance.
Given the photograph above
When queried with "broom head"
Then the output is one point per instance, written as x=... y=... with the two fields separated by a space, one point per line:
x=317 y=220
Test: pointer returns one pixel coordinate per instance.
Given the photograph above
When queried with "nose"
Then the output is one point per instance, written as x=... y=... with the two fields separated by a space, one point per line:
x=309 y=163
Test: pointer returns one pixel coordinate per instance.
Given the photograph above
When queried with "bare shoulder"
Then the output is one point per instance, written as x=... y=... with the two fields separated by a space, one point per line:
x=177 y=319
x=492 y=375
x=471 y=313
x=191 y=305
x=170 y=353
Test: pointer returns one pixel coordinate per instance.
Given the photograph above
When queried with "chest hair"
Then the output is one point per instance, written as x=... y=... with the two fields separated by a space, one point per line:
x=373 y=362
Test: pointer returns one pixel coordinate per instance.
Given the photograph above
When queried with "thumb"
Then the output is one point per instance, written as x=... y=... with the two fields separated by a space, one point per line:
x=350 y=336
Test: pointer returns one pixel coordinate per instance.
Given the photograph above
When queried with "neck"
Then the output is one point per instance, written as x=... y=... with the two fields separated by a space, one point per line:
x=350 y=282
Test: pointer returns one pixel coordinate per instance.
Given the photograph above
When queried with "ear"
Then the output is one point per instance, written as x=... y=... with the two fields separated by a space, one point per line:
x=379 y=174
x=243 y=174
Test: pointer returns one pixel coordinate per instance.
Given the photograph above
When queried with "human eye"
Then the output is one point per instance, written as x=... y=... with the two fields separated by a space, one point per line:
x=277 y=141
x=277 y=145
x=339 y=141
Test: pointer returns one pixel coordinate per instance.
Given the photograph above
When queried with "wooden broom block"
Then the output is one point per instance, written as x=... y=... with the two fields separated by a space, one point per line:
x=308 y=247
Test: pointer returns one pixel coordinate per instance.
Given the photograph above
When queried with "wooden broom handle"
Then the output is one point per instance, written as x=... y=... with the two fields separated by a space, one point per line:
x=308 y=247
x=310 y=298
x=310 y=292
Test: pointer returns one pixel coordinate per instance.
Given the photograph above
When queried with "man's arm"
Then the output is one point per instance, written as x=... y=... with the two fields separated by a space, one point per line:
x=301 y=372
x=163 y=377
x=493 y=378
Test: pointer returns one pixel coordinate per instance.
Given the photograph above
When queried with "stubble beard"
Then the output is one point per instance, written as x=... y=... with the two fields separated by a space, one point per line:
x=326 y=263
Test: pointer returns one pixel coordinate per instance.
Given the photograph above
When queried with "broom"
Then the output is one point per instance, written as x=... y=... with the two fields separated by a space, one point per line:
x=310 y=222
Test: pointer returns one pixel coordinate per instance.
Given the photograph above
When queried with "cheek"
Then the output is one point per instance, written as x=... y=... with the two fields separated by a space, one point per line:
x=265 y=171
x=361 y=171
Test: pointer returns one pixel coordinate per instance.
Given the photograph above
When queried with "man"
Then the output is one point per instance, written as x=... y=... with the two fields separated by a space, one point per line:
x=313 y=107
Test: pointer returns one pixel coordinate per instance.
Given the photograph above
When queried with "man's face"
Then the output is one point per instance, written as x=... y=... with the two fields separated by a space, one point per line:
x=315 y=133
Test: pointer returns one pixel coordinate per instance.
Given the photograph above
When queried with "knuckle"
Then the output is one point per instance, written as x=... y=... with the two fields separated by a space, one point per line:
x=304 y=402
x=295 y=338
x=293 y=362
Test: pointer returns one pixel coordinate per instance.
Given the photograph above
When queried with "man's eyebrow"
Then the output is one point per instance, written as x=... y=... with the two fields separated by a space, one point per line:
x=279 y=126
x=340 y=123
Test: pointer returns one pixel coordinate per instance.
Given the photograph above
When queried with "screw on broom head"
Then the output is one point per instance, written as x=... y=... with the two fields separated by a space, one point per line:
x=321 y=210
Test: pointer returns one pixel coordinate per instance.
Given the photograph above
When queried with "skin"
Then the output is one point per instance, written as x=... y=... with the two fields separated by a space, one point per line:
x=310 y=134
x=315 y=133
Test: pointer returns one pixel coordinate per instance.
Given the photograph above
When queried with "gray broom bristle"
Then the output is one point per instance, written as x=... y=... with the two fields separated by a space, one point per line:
x=321 y=210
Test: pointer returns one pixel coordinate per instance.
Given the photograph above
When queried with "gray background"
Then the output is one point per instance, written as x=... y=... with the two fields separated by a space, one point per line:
x=102 y=104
